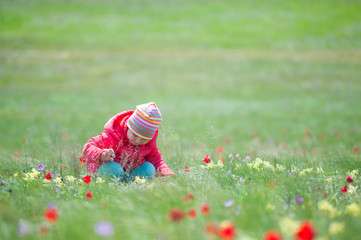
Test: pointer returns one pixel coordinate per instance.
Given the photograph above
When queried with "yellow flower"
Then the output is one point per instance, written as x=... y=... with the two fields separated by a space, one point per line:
x=35 y=173
x=140 y=180
x=16 y=175
x=270 y=207
x=288 y=226
x=320 y=170
x=353 y=209
x=335 y=200
x=99 y=180
x=328 y=209
x=70 y=178
x=59 y=181
x=46 y=181
x=329 y=180
x=80 y=181
x=336 y=228
x=220 y=164
x=280 y=168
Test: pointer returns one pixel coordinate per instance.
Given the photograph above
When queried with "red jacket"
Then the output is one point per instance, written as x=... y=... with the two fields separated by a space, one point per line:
x=115 y=136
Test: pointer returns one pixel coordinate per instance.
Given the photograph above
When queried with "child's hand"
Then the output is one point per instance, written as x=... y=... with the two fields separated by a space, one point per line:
x=108 y=155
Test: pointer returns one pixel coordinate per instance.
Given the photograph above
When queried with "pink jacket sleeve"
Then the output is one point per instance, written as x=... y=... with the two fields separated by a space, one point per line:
x=93 y=149
x=155 y=158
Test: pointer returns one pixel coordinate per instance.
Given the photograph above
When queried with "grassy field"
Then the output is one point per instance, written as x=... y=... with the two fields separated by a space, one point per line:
x=275 y=80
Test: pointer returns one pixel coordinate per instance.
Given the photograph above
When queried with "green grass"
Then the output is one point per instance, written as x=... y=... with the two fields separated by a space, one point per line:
x=246 y=75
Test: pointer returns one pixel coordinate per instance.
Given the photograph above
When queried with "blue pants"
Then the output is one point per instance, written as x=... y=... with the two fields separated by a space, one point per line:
x=114 y=169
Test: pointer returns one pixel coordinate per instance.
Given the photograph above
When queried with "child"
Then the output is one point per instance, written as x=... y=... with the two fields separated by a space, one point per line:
x=127 y=147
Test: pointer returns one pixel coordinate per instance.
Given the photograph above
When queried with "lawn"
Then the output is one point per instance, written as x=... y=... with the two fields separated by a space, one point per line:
x=269 y=90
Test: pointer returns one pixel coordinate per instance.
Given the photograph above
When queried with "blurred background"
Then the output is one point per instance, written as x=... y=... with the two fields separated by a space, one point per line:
x=250 y=76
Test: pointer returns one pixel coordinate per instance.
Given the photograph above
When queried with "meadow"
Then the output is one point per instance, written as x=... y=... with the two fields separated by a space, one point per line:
x=270 y=91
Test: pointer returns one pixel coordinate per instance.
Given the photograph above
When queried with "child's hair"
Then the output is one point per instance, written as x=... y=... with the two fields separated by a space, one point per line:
x=145 y=120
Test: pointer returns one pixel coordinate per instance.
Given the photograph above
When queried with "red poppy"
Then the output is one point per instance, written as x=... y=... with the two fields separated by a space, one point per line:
x=187 y=198
x=89 y=195
x=206 y=159
x=305 y=232
x=349 y=179
x=17 y=154
x=175 y=215
x=43 y=230
x=219 y=149
x=63 y=167
x=308 y=132
x=227 y=230
x=192 y=214
x=211 y=228
x=344 y=189
x=51 y=215
x=251 y=153
x=355 y=150
x=48 y=176
x=205 y=209
x=82 y=159
x=87 y=179
x=271 y=185
x=186 y=169
x=272 y=235
x=304 y=152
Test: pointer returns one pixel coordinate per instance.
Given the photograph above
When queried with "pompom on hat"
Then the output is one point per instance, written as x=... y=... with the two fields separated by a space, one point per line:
x=145 y=120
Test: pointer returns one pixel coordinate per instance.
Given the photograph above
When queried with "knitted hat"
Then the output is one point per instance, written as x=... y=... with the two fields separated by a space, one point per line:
x=145 y=120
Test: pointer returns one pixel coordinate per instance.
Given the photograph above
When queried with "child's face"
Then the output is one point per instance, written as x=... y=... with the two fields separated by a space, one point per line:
x=135 y=140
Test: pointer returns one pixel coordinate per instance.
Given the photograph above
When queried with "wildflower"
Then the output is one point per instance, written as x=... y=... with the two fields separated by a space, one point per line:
x=355 y=149
x=41 y=167
x=140 y=180
x=211 y=228
x=272 y=235
x=220 y=164
x=104 y=228
x=352 y=189
x=308 y=132
x=229 y=203
x=270 y=207
x=349 y=179
x=86 y=179
x=16 y=175
x=228 y=172
x=70 y=178
x=271 y=185
x=175 y=215
x=206 y=159
x=23 y=229
x=187 y=198
x=336 y=228
x=63 y=167
x=344 y=189
x=237 y=155
x=56 y=189
x=280 y=167
x=99 y=180
x=288 y=226
x=205 y=209
x=219 y=149
x=17 y=154
x=186 y=169
x=89 y=195
x=327 y=208
x=43 y=230
x=353 y=209
x=353 y=173
x=241 y=179
x=65 y=136
x=299 y=199
x=230 y=155
x=52 y=205
x=320 y=171
x=51 y=215
x=305 y=232
x=192 y=213
x=48 y=176
x=329 y=180
x=304 y=171
x=227 y=230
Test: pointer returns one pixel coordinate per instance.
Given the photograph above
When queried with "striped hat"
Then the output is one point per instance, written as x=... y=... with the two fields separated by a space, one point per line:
x=145 y=120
